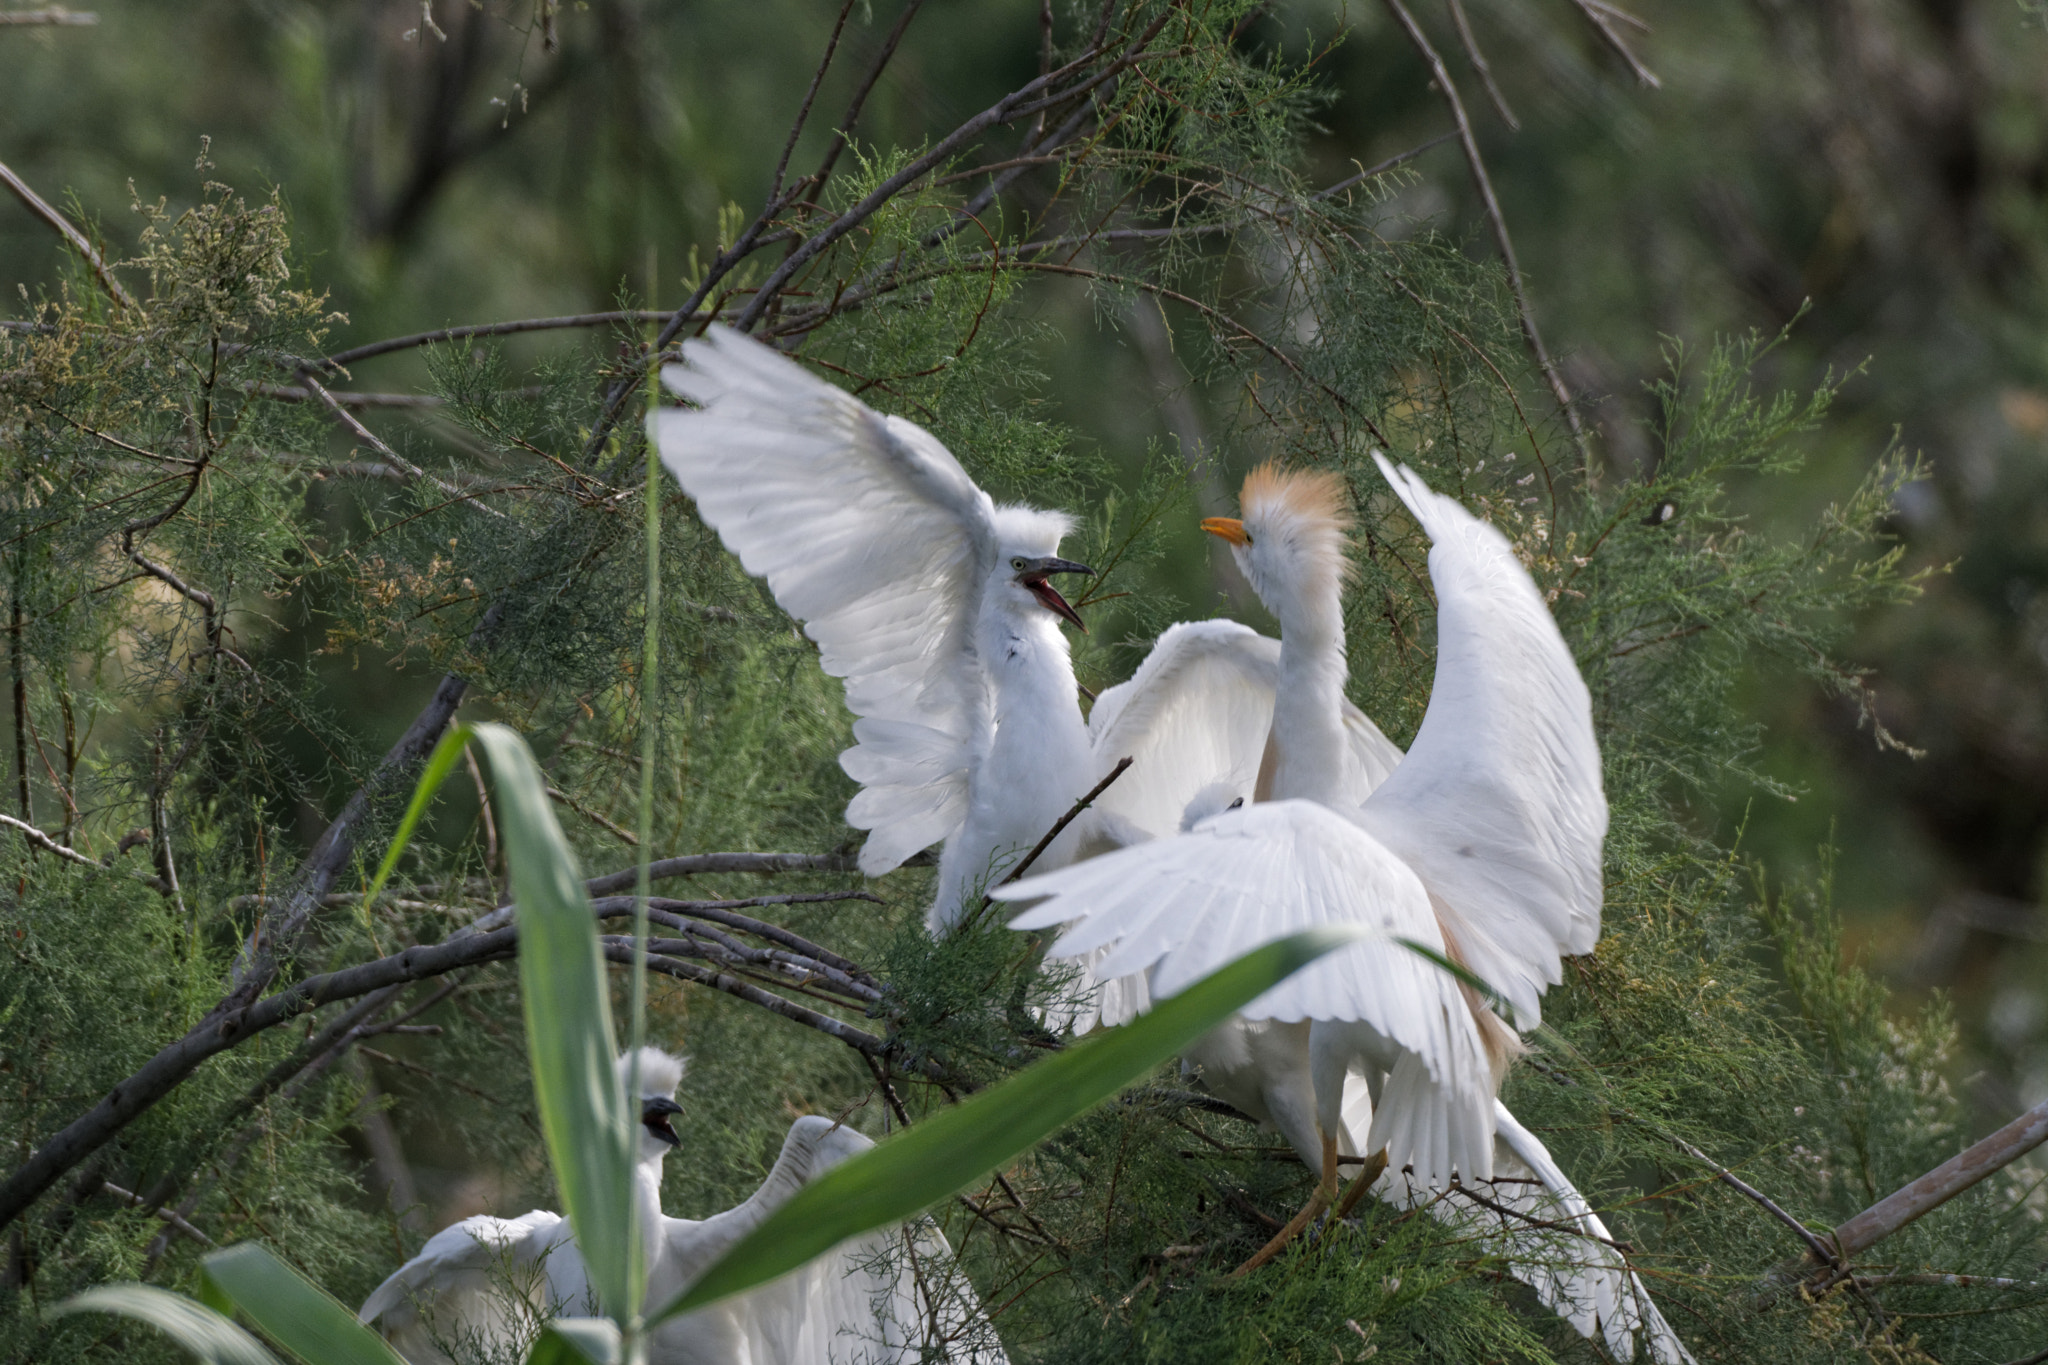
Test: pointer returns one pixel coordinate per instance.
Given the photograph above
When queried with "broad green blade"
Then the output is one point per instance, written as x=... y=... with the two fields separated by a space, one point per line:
x=568 y=1022
x=956 y=1147
x=291 y=1310
x=578 y=1341
x=211 y=1338
x=438 y=764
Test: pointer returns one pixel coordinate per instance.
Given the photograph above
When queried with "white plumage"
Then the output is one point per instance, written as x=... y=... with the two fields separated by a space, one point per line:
x=930 y=601
x=480 y=1290
x=1483 y=843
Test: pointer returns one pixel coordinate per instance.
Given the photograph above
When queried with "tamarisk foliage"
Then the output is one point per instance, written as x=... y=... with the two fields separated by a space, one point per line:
x=245 y=594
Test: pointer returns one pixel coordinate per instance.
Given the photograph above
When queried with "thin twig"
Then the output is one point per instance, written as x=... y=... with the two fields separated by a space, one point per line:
x=61 y=17
x=620 y=831
x=1498 y=221
x=375 y=442
x=844 y=131
x=1474 y=55
x=1059 y=825
x=176 y=1220
x=803 y=112
x=1602 y=16
x=41 y=208
x=1382 y=168
x=47 y=844
x=622 y=316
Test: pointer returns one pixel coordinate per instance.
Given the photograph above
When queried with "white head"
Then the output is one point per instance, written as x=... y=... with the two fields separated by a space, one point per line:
x=1027 y=540
x=1290 y=542
x=660 y=1074
x=1213 y=799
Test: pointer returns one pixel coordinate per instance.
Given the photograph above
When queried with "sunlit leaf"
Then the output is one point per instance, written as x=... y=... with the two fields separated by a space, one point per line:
x=438 y=765
x=211 y=1338
x=578 y=1341
x=291 y=1310
x=569 y=1035
x=956 y=1147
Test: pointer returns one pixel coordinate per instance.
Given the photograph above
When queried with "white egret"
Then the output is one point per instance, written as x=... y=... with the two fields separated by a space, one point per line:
x=933 y=603
x=482 y=1288
x=1483 y=845
x=935 y=606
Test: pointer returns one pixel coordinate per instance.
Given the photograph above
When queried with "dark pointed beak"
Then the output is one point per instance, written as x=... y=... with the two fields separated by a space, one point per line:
x=1033 y=576
x=654 y=1116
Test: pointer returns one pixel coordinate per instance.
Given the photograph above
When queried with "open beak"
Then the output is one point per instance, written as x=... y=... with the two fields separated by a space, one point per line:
x=1229 y=528
x=1033 y=577
x=654 y=1115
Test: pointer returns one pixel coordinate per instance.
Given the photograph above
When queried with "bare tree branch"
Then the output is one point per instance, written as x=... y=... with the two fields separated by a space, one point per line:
x=1474 y=55
x=1943 y=1183
x=1499 y=223
x=1602 y=16
x=41 y=209
x=48 y=845
x=66 y=18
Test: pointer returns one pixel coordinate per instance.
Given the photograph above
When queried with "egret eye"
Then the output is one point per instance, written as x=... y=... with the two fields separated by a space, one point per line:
x=1017 y=564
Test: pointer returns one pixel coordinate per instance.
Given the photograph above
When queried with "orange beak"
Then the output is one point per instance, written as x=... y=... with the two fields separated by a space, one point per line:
x=1229 y=528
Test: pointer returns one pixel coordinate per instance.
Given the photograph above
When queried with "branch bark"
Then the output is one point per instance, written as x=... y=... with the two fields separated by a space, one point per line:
x=42 y=209
x=1497 y=221
x=1944 y=1182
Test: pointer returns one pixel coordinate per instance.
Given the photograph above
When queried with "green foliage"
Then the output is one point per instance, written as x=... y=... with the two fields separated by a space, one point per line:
x=219 y=613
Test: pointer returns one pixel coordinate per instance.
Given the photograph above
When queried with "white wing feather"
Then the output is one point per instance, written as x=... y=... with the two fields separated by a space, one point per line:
x=870 y=533
x=1498 y=806
x=1186 y=906
x=1197 y=712
x=891 y=1296
x=482 y=1285
x=1555 y=1243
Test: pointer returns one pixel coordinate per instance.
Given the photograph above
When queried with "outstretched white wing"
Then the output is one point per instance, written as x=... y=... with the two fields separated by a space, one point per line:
x=890 y=1297
x=870 y=533
x=1186 y=906
x=1552 y=1241
x=1197 y=712
x=480 y=1288
x=1498 y=806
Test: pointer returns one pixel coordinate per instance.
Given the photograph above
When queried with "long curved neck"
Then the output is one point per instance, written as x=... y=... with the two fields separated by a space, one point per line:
x=1036 y=763
x=647 y=1212
x=1307 y=742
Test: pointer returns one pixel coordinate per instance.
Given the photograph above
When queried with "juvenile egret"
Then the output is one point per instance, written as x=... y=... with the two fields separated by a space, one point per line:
x=1483 y=845
x=482 y=1288
x=936 y=606
x=933 y=603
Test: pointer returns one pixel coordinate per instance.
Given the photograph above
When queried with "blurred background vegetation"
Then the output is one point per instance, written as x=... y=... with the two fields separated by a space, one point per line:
x=1875 y=169
x=1882 y=164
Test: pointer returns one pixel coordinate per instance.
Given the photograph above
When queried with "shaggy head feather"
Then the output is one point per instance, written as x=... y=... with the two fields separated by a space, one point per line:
x=660 y=1072
x=1296 y=523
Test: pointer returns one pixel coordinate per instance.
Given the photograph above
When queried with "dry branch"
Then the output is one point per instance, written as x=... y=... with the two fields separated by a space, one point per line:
x=1496 y=220
x=40 y=207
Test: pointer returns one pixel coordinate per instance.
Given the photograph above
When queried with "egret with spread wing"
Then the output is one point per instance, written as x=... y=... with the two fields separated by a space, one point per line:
x=1483 y=845
x=933 y=603
x=482 y=1288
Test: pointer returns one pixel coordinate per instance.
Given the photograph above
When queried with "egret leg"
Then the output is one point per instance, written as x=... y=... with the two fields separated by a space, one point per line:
x=1375 y=1165
x=1326 y=1191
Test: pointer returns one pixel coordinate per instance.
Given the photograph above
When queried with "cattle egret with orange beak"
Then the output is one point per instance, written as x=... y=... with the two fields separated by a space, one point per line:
x=1482 y=847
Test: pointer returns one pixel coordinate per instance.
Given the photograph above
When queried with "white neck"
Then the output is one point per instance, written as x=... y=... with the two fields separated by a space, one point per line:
x=1308 y=716
x=647 y=1210
x=1037 y=762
